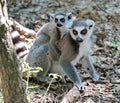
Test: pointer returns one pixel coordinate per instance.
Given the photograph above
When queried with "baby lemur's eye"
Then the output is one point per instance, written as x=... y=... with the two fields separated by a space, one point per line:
x=75 y=32
x=84 y=31
x=62 y=20
x=56 y=20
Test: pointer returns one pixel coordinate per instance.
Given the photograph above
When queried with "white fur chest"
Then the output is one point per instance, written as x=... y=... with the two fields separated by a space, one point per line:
x=83 y=51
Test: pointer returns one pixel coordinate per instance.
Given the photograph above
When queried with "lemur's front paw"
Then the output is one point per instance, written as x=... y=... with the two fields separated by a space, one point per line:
x=82 y=87
x=97 y=78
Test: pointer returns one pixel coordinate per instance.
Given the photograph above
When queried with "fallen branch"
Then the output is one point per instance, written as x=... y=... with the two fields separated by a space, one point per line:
x=27 y=35
x=71 y=96
x=23 y=30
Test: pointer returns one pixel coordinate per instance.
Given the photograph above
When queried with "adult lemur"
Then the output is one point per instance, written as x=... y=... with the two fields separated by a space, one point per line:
x=75 y=45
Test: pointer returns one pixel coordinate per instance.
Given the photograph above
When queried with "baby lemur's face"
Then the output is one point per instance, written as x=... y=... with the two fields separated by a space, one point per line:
x=61 y=19
x=81 y=29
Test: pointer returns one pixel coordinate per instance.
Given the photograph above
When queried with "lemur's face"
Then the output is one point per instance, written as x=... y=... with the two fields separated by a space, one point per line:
x=82 y=30
x=61 y=19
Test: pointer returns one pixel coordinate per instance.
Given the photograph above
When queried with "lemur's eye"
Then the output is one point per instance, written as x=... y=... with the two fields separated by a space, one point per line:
x=62 y=20
x=75 y=32
x=56 y=20
x=84 y=31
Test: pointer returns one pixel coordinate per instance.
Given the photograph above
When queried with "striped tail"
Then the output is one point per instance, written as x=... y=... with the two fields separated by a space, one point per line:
x=20 y=47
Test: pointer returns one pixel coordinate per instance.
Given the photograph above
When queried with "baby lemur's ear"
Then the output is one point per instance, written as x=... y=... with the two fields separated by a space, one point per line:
x=69 y=16
x=90 y=23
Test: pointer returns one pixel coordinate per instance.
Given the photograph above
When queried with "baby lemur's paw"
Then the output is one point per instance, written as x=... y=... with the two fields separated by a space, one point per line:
x=97 y=78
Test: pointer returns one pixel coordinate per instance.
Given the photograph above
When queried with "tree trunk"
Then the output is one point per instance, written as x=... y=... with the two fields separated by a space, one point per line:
x=11 y=81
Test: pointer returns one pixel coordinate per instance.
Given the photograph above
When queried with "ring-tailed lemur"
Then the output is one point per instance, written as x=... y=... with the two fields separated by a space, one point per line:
x=45 y=43
x=75 y=45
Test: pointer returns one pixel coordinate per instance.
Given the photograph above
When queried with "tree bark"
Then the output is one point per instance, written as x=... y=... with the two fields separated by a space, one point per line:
x=11 y=81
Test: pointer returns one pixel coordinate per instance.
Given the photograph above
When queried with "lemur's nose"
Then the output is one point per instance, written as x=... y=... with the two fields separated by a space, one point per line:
x=79 y=39
x=59 y=24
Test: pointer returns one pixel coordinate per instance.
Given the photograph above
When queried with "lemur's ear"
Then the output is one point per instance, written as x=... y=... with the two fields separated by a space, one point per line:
x=69 y=24
x=90 y=23
x=69 y=16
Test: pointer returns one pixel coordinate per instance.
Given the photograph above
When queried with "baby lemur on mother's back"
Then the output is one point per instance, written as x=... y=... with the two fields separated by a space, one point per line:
x=45 y=43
